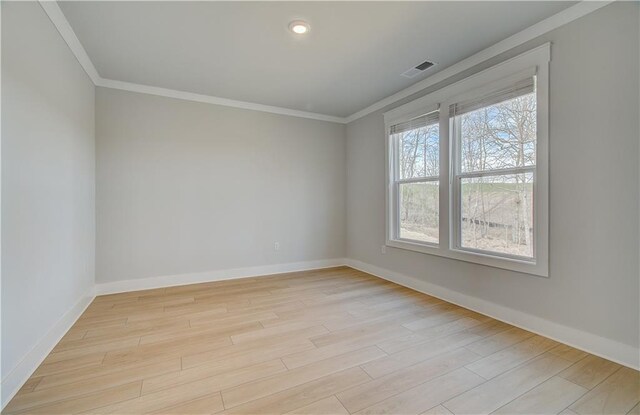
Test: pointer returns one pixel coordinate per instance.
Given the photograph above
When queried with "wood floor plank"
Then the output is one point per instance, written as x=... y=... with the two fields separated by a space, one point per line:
x=405 y=302
x=167 y=350
x=105 y=347
x=276 y=331
x=351 y=333
x=226 y=378
x=450 y=328
x=207 y=405
x=89 y=402
x=301 y=395
x=376 y=390
x=128 y=330
x=617 y=394
x=437 y=410
x=160 y=336
x=110 y=373
x=400 y=343
x=329 y=341
x=253 y=390
x=337 y=324
x=73 y=334
x=326 y=406
x=30 y=385
x=441 y=314
x=590 y=371
x=99 y=321
x=48 y=367
x=502 y=389
x=568 y=353
x=293 y=306
x=417 y=354
x=161 y=400
x=427 y=395
x=370 y=337
x=317 y=354
x=550 y=397
x=263 y=349
x=319 y=314
x=232 y=319
x=505 y=359
x=499 y=341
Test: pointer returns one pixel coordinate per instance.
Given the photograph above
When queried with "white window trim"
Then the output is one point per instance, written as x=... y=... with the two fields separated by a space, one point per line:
x=535 y=61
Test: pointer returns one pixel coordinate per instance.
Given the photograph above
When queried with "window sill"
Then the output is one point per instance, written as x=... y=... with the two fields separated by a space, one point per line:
x=522 y=266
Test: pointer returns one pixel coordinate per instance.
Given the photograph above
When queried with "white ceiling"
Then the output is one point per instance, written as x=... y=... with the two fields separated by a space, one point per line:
x=352 y=57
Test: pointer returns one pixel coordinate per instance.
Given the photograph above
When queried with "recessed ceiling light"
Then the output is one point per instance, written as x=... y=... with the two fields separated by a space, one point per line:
x=299 y=27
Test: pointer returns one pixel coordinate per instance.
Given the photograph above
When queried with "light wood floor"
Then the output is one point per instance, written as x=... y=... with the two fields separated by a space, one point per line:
x=334 y=341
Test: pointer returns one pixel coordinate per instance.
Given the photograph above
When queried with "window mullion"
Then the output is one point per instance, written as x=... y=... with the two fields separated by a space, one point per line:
x=457 y=189
x=445 y=151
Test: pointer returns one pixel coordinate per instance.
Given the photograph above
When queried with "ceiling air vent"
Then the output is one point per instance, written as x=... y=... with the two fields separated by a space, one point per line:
x=418 y=69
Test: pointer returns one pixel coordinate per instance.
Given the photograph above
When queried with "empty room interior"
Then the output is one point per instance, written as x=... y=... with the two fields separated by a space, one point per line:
x=313 y=207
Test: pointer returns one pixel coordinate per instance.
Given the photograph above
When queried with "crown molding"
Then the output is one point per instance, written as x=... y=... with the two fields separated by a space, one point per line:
x=61 y=23
x=208 y=99
x=559 y=19
x=570 y=14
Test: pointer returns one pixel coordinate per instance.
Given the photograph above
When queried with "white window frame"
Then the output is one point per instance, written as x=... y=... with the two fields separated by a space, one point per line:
x=534 y=62
x=396 y=181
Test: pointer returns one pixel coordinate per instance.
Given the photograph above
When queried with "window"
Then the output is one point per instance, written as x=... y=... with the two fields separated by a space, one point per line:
x=416 y=153
x=467 y=168
x=494 y=159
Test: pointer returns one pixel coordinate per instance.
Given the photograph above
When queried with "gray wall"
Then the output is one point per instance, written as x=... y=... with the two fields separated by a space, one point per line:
x=188 y=187
x=48 y=180
x=594 y=275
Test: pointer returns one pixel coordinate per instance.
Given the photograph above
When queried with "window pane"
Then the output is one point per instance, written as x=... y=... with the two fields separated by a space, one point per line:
x=418 y=152
x=497 y=214
x=419 y=211
x=499 y=136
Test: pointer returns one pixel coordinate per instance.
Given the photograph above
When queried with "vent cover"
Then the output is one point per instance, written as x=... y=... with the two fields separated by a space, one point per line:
x=418 y=69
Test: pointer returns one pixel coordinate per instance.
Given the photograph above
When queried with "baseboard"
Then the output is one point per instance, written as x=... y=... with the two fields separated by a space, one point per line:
x=210 y=276
x=21 y=373
x=617 y=352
